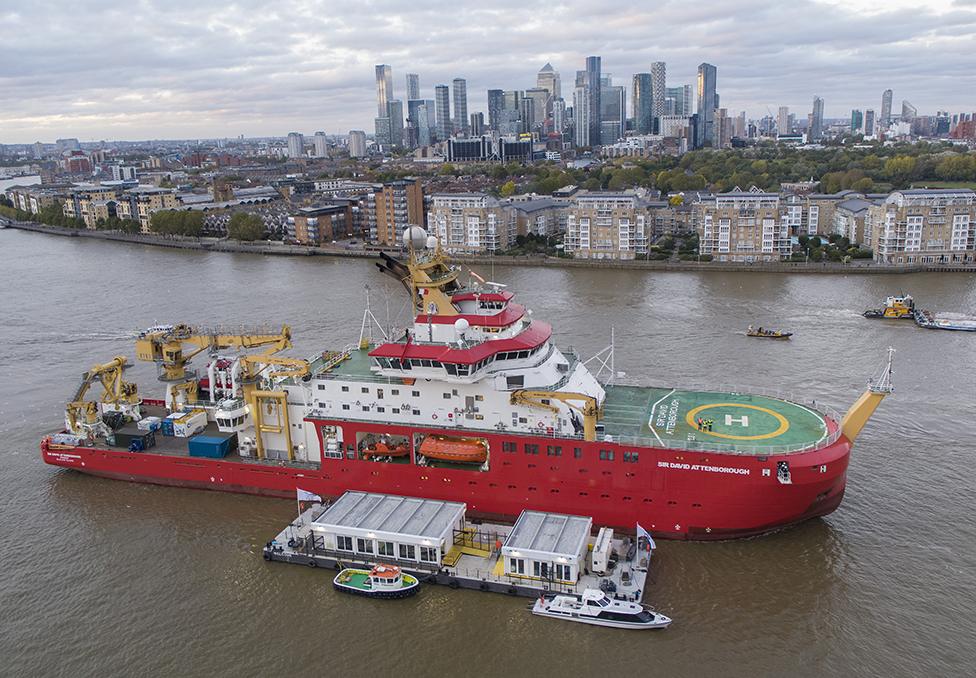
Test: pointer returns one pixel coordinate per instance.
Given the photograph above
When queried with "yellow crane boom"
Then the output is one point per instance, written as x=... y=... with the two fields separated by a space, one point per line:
x=115 y=391
x=269 y=409
x=590 y=408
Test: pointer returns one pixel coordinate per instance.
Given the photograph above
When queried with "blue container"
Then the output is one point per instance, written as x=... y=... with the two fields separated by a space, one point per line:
x=213 y=447
x=167 y=427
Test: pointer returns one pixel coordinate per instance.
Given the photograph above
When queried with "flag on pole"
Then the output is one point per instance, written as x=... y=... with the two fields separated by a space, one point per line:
x=644 y=534
x=307 y=496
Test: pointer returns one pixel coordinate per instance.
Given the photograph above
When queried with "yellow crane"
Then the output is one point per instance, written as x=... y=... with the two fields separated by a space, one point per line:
x=81 y=414
x=172 y=348
x=590 y=408
x=269 y=408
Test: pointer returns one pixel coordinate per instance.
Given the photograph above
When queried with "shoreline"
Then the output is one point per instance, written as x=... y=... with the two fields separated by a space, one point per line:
x=274 y=248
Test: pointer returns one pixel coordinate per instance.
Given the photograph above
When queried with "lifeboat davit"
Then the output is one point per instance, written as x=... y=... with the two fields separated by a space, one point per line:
x=463 y=450
x=384 y=450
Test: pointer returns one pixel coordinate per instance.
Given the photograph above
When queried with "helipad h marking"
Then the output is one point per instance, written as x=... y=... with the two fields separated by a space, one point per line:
x=784 y=425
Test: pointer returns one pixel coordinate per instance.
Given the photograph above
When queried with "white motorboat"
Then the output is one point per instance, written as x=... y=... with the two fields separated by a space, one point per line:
x=595 y=607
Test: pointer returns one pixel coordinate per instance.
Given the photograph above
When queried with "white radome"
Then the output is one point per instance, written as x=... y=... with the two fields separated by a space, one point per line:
x=461 y=325
x=431 y=242
x=415 y=237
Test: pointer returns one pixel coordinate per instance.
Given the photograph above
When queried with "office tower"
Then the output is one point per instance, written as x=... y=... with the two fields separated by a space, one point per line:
x=442 y=110
x=383 y=135
x=707 y=103
x=395 y=107
x=723 y=128
x=681 y=97
x=321 y=143
x=357 y=144
x=511 y=112
x=908 y=112
x=658 y=85
x=783 y=120
x=642 y=103
x=421 y=115
x=460 y=105
x=593 y=83
x=739 y=126
x=857 y=121
x=886 y=107
x=581 y=114
x=869 y=123
x=815 y=132
x=413 y=87
x=613 y=111
x=296 y=145
x=477 y=124
x=496 y=104
x=558 y=115
x=548 y=79
x=539 y=96
x=526 y=117
x=384 y=89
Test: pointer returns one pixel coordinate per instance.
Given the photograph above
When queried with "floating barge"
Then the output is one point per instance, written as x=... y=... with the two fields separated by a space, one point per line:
x=433 y=541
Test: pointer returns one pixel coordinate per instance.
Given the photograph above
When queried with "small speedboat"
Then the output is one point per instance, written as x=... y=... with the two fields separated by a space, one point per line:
x=383 y=581
x=595 y=607
x=767 y=334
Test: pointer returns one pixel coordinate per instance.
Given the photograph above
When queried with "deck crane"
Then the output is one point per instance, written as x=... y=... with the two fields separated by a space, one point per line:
x=82 y=416
x=172 y=347
x=590 y=408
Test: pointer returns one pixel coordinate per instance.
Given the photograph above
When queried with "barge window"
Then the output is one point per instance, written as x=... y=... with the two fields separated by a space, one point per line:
x=343 y=543
x=364 y=545
x=428 y=554
x=408 y=551
x=385 y=548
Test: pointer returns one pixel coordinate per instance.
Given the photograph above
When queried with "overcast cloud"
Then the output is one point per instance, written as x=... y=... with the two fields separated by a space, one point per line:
x=185 y=69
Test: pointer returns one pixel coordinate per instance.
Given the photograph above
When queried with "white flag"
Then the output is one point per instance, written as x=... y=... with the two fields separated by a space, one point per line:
x=308 y=496
x=641 y=532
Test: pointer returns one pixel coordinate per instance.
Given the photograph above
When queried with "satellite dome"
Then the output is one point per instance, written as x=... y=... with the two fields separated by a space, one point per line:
x=414 y=237
x=461 y=324
x=431 y=242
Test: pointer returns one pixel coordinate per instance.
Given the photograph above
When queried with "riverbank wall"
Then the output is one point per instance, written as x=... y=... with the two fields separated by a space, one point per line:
x=274 y=248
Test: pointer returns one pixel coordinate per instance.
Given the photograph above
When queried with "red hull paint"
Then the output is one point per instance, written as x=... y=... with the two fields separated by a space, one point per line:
x=673 y=493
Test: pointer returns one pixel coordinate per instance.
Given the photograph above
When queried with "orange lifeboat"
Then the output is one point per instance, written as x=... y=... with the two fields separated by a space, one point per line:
x=463 y=450
x=383 y=450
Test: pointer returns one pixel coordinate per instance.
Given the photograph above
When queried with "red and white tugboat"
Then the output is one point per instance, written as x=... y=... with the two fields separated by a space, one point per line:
x=473 y=402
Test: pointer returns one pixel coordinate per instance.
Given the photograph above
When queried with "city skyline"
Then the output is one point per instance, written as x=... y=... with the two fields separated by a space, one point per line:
x=166 y=77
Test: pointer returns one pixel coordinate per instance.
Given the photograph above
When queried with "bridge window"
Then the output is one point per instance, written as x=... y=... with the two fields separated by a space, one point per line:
x=451 y=368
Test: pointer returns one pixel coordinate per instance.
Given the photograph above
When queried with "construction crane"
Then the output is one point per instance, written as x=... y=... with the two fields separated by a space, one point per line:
x=172 y=347
x=82 y=416
x=590 y=408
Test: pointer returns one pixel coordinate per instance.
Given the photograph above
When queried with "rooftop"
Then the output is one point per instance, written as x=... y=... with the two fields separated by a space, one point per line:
x=411 y=516
x=550 y=532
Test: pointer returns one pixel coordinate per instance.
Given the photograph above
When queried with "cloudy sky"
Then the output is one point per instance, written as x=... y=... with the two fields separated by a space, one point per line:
x=139 y=69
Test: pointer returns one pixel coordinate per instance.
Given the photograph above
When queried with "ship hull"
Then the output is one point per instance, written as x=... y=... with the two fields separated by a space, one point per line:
x=674 y=494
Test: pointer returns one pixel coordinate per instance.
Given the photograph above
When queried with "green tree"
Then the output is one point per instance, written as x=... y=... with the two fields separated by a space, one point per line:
x=244 y=226
x=507 y=189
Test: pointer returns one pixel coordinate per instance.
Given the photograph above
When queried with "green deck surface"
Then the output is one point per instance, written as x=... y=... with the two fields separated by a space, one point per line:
x=739 y=419
x=356 y=367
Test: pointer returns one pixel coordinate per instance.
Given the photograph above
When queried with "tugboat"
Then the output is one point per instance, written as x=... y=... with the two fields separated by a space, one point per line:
x=897 y=307
x=383 y=581
x=595 y=607
x=763 y=333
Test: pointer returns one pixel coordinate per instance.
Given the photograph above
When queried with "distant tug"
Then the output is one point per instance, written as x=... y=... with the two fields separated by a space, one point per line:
x=474 y=402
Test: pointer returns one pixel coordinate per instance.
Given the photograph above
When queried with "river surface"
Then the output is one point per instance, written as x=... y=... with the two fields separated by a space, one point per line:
x=105 y=578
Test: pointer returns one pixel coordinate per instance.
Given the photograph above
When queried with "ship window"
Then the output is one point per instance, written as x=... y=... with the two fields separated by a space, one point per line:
x=343 y=543
x=381 y=409
x=365 y=408
x=451 y=368
x=428 y=554
x=463 y=370
x=523 y=354
x=523 y=420
x=436 y=363
x=578 y=452
x=415 y=394
x=365 y=389
x=405 y=365
x=426 y=363
x=396 y=410
x=321 y=387
x=516 y=381
x=447 y=396
x=531 y=449
x=364 y=545
x=477 y=397
x=509 y=446
x=345 y=406
x=408 y=551
x=395 y=363
x=606 y=455
x=385 y=548
x=416 y=413
x=345 y=389
x=395 y=391
x=554 y=451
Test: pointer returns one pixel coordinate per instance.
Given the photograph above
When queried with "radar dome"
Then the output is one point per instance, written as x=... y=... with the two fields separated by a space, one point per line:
x=431 y=242
x=415 y=237
x=461 y=325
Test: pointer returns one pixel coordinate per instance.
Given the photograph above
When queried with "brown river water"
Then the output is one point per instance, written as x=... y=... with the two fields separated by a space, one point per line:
x=107 y=578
